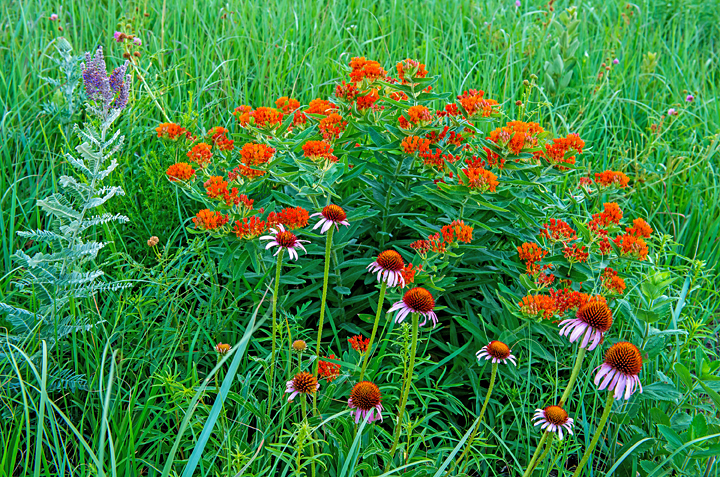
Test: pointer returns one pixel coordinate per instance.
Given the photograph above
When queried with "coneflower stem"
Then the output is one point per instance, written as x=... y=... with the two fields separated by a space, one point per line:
x=407 y=384
x=328 y=246
x=598 y=432
x=271 y=382
x=381 y=301
x=548 y=446
x=531 y=465
x=468 y=444
x=573 y=376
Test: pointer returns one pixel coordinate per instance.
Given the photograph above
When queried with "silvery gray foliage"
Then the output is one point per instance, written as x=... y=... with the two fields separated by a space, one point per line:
x=65 y=102
x=66 y=270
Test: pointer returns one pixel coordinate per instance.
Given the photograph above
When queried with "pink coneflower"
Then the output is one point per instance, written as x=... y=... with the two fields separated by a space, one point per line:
x=416 y=300
x=365 y=398
x=223 y=348
x=389 y=266
x=53 y=17
x=498 y=351
x=302 y=383
x=331 y=215
x=553 y=419
x=593 y=320
x=622 y=365
x=283 y=239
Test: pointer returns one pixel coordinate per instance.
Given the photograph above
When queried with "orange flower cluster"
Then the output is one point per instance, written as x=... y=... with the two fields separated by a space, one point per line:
x=408 y=273
x=409 y=69
x=422 y=247
x=218 y=137
x=347 y=91
x=516 y=136
x=287 y=105
x=481 y=179
x=368 y=101
x=318 y=151
x=450 y=136
x=321 y=106
x=329 y=370
x=359 y=343
x=253 y=154
x=208 y=220
x=200 y=154
x=412 y=144
x=182 y=171
x=566 y=299
x=172 y=131
x=611 y=282
x=217 y=188
x=474 y=104
x=575 y=254
x=417 y=116
x=398 y=96
x=631 y=246
x=291 y=217
x=457 y=231
x=558 y=231
x=363 y=69
x=611 y=214
x=555 y=152
x=610 y=178
x=640 y=228
x=534 y=305
x=332 y=126
x=261 y=117
x=249 y=228
x=244 y=171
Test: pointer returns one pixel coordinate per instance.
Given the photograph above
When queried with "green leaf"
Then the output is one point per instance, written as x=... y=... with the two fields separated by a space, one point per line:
x=684 y=375
x=671 y=437
x=713 y=394
x=660 y=391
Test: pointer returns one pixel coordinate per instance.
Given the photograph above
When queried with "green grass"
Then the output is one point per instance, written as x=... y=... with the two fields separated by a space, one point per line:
x=206 y=60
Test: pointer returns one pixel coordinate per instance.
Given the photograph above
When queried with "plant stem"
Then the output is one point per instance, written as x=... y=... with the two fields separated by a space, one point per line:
x=468 y=444
x=407 y=384
x=598 y=432
x=387 y=203
x=271 y=382
x=573 y=376
x=534 y=459
x=381 y=301
x=328 y=246
x=548 y=446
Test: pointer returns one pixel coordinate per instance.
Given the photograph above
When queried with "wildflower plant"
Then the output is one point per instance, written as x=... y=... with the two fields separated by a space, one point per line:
x=65 y=270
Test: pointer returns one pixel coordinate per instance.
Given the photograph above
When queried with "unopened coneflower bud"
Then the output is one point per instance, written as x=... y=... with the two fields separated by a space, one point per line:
x=222 y=348
x=299 y=346
x=152 y=241
x=137 y=54
x=127 y=55
x=518 y=103
x=60 y=28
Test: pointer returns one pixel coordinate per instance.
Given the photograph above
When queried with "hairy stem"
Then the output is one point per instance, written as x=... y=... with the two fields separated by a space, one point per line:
x=573 y=376
x=598 y=433
x=534 y=459
x=328 y=246
x=381 y=301
x=271 y=381
x=407 y=384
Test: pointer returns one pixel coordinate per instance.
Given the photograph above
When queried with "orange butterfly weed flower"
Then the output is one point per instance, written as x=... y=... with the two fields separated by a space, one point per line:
x=249 y=228
x=480 y=179
x=558 y=231
x=332 y=126
x=410 y=69
x=408 y=273
x=398 y=96
x=457 y=231
x=474 y=104
x=201 y=154
x=421 y=246
x=555 y=152
x=217 y=136
x=318 y=150
x=363 y=69
x=417 y=116
x=329 y=370
x=209 y=220
x=291 y=217
x=611 y=282
x=611 y=214
x=287 y=105
x=215 y=187
x=413 y=144
x=347 y=91
x=612 y=178
x=566 y=299
x=244 y=171
x=575 y=254
x=172 y=131
x=640 y=228
x=516 y=136
x=321 y=106
x=534 y=305
x=631 y=246
x=182 y=171
x=262 y=117
x=253 y=154
x=368 y=101
x=359 y=343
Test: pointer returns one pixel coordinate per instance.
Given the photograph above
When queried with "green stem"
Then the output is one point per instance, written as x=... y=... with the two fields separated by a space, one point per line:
x=534 y=459
x=598 y=432
x=328 y=246
x=468 y=444
x=387 y=203
x=573 y=376
x=548 y=446
x=381 y=301
x=407 y=384
x=271 y=382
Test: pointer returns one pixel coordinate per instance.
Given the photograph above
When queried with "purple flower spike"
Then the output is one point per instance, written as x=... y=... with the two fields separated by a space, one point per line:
x=112 y=91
